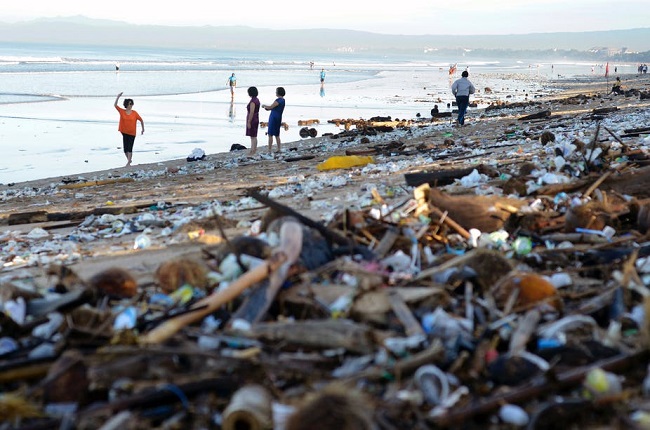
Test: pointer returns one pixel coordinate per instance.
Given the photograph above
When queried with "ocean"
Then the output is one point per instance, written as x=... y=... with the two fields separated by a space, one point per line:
x=57 y=116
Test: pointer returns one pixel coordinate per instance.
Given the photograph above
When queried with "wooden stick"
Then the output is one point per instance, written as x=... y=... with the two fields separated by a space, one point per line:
x=450 y=222
x=597 y=183
x=618 y=139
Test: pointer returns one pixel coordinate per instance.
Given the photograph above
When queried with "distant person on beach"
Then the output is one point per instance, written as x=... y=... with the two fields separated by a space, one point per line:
x=253 y=118
x=616 y=88
x=117 y=67
x=462 y=88
x=232 y=82
x=128 y=126
x=275 y=118
x=435 y=111
x=322 y=76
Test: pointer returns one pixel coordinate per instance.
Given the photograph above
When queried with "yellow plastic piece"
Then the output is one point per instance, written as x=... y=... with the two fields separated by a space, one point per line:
x=345 y=162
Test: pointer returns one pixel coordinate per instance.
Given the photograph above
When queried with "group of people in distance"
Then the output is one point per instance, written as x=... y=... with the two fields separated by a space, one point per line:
x=129 y=119
x=461 y=88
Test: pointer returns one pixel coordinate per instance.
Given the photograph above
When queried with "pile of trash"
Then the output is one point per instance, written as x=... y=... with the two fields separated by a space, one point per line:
x=453 y=304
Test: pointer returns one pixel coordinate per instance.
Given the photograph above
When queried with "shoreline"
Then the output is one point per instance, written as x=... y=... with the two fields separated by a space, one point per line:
x=187 y=209
x=78 y=135
x=586 y=85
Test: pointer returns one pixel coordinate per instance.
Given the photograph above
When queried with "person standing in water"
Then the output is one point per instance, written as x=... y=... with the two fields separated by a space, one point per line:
x=275 y=118
x=462 y=88
x=253 y=118
x=128 y=126
x=232 y=82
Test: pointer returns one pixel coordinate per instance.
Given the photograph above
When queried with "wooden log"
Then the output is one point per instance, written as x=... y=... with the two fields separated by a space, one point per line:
x=443 y=177
x=605 y=110
x=95 y=183
x=434 y=353
x=539 y=115
x=637 y=130
x=387 y=242
x=27 y=217
x=319 y=334
x=300 y=158
x=361 y=151
x=221 y=386
x=411 y=324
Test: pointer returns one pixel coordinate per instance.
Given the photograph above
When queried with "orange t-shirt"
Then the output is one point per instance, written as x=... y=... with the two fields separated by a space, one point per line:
x=128 y=121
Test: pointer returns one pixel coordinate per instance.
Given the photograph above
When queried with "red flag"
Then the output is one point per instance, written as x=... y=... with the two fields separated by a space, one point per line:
x=607 y=69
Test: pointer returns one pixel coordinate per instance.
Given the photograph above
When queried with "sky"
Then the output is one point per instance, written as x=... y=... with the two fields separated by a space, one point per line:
x=411 y=17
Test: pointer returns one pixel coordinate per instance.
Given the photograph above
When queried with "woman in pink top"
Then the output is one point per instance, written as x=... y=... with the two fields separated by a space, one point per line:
x=253 y=118
x=128 y=126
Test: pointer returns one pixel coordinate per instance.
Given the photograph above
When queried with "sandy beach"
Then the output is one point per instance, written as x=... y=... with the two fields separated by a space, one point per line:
x=58 y=220
x=293 y=178
x=223 y=176
x=72 y=130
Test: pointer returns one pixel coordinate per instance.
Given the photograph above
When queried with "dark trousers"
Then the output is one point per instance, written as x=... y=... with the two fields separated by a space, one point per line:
x=127 y=142
x=462 y=102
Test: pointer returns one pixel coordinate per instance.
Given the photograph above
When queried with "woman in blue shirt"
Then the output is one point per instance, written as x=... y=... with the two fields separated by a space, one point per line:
x=275 y=118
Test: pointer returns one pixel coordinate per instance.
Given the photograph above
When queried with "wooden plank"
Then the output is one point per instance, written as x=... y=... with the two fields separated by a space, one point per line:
x=404 y=314
x=48 y=225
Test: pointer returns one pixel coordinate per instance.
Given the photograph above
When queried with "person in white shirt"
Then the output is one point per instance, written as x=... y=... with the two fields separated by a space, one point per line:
x=462 y=88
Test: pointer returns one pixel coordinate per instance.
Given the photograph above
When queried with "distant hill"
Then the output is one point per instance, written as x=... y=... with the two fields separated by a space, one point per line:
x=81 y=30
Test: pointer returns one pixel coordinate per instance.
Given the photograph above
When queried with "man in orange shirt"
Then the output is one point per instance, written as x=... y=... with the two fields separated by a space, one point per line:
x=128 y=126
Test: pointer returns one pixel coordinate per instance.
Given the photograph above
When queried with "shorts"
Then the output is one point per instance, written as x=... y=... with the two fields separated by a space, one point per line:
x=127 y=142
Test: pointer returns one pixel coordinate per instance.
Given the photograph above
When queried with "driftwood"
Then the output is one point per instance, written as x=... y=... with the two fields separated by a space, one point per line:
x=258 y=303
x=411 y=324
x=486 y=213
x=222 y=386
x=606 y=110
x=44 y=216
x=301 y=158
x=372 y=151
x=319 y=334
x=95 y=183
x=538 y=115
x=444 y=177
x=635 y=182
x=387 y=241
